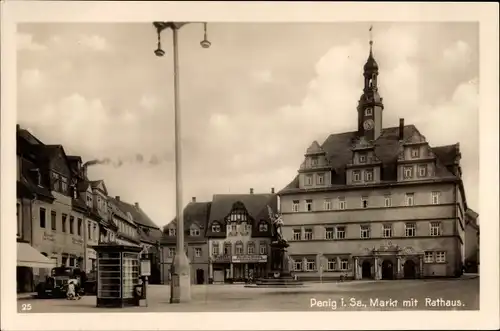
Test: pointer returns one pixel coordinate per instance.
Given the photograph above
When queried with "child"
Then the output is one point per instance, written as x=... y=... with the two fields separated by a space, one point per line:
x=71 y=294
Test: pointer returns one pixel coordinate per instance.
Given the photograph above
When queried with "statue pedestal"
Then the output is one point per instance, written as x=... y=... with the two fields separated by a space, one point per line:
x=280 y=275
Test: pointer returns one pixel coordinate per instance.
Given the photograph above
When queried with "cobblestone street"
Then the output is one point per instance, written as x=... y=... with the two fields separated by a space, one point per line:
x=456 y=294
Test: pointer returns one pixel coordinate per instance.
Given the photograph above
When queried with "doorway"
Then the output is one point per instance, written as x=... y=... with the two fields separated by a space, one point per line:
x=387 y=270
x=200 y=276
x=366 y=270
x=409 y=269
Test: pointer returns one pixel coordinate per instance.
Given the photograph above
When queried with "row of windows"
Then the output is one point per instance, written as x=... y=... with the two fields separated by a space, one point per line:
x=339 y=232
x=343 y=264
x=194 y=232
x=59 y=183
x=197 y=251
x=243 y=228
x=127 y=229
x=320 y=179
x=408 y=171
x=238 y=248
x=341 y=203
x=68 y=224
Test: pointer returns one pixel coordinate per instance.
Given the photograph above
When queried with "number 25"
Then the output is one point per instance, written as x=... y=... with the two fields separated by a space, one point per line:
x=26 y=306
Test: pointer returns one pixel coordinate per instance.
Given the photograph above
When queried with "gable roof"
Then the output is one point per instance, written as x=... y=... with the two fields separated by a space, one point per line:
x=338 y=148
x=255 y=204
x=194 y=213
x=138 y=215
x=115 y=209
x=95 y=184
x=29 y=180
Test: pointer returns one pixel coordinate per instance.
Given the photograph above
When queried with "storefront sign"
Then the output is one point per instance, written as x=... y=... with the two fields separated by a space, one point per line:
x=222 y=259
x=77 y=241
x=48 y=236
x=249 y=258
x=145 y=268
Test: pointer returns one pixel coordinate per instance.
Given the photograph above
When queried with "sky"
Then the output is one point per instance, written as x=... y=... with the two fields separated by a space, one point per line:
x=251 y=104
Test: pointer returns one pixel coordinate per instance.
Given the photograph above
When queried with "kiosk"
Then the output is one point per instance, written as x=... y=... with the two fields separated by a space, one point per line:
x=117 y=275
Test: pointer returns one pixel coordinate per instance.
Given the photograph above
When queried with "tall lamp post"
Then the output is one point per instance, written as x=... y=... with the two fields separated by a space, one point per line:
x=181 y=273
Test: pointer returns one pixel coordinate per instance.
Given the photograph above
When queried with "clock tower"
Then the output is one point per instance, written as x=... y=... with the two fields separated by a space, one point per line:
x=370 y=104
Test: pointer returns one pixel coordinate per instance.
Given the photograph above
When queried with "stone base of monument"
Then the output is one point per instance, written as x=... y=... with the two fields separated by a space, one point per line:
x=280 y=275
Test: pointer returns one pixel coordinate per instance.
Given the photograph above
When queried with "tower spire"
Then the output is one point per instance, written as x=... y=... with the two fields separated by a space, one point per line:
x=371 y=39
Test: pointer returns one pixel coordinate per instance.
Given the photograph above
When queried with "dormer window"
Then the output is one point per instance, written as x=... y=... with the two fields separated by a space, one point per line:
x=369 y=175
x=415 y=153
x=64 y=185
x=356 y=176
x=216 y=227
x=362 y=158
x=320 y=179
x=314 y=161
x=422 y=170
x=171 y=232
x=194 y=232
x=309 y=180
x=408 y=172
x=263 y=227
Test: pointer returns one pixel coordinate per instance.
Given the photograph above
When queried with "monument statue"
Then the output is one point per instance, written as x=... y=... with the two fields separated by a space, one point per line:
x=277 y=225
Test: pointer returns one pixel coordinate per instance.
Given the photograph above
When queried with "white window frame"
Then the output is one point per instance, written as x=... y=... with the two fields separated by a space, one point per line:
x=363 y=200
x=344 y=264
x=216 y=227
x=387 y=230
x=215 y=249
x=407 y=172
x=428 y=257
x=320 y=179
x=440 y=257
x=387 y=201
x=410 y=199
x=194 y=232
x=309 y=205
x=410 y=230
x=310 y=264
x=369 y=174
x=422 y=170
x=331 y=264
x=251 y=248
x=308 y=234
x=342 y=203
x=238 y=248
x=314 y=161
x=415 y=155
x=308 y=180
x=171 y=231
x=364 y=231
x=295 y=206
x=262 y=249
x=297 y=234
x=263 y=227
x=362 y=158
x=327 y=204
x=369 y=111
x=435 y=198
x=435 y=229
x=197 y=252
x=329 y=233
x=171 y=251
x=356 y=176
x=340 y=232
x=297 y=265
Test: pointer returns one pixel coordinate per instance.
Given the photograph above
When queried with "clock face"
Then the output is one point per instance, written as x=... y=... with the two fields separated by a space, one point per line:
x=368 y=124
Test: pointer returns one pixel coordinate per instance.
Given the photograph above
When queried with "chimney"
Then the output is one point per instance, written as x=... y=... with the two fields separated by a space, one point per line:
x=251 y=191
x=401 y=128
x=136 y=205
x=18 y=127
x=193 y=199
x=84 y=171
x=272 y=190
x=117 y=198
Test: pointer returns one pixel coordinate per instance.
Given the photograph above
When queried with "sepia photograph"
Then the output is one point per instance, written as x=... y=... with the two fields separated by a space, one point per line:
x=217 y=166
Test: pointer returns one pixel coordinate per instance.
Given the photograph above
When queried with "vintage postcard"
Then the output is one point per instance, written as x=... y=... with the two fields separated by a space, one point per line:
x=250 y=165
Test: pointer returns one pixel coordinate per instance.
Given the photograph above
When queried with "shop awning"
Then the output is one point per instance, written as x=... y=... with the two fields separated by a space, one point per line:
x=28 y=256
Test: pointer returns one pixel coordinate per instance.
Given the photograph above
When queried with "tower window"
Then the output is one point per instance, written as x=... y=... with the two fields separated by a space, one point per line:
x=362 y=158
x=369 y=111
x=369 y=175
x=415 y=153
x=314 y=161
x=408 y=172
x=356 y=176
x=309 y=180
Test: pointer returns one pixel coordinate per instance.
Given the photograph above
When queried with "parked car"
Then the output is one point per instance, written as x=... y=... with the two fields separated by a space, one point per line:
x=56 y=285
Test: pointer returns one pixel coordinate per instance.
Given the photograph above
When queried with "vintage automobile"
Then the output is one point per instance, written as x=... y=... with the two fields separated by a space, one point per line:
x=56 y=285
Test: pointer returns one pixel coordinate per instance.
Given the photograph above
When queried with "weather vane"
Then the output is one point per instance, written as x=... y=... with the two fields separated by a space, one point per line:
x=371 y=35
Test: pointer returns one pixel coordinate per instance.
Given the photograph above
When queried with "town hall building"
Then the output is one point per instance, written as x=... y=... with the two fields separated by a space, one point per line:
x=379 y=203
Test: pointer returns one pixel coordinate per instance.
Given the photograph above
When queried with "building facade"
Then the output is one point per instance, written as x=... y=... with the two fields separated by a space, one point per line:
x=376 y=203
x=195 y=243
x=471 y=241
x=239 y=232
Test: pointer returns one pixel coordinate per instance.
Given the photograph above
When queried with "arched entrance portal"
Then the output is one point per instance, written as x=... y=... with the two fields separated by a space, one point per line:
x=409 y=269
x=200 y=276
x=387 y=270
x=366 y=269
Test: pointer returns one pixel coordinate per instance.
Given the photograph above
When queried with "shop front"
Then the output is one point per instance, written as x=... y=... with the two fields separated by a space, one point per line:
x=247 y=267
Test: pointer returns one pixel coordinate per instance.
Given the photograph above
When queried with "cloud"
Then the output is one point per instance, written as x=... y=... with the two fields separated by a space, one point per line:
x=93 y=42
x=31 y=78
x=457 y=55
x=262 y=76
x=25 y=42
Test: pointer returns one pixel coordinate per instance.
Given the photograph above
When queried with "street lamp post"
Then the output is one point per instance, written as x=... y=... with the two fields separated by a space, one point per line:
x=181 y=275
